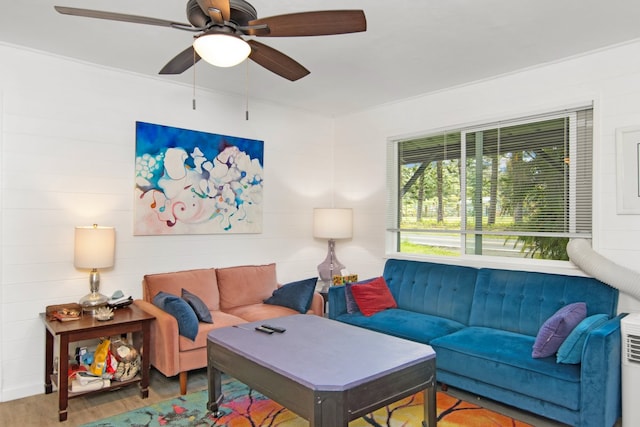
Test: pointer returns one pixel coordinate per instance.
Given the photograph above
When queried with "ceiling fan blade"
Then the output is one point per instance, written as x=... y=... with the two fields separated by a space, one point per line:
x=319 y=23
x=276 y=61
x=111 y=16
x=181 y=62
x=218 y=10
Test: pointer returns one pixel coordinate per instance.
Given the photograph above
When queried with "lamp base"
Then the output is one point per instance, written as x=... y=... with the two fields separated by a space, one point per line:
x=330 y=265
x=91 y=302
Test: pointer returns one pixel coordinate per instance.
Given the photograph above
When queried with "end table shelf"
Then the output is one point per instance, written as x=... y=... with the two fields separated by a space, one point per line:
x=114 y=385
x=130 y=319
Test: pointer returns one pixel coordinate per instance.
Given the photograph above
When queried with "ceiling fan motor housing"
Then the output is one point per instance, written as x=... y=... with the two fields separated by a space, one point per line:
x=241 y=13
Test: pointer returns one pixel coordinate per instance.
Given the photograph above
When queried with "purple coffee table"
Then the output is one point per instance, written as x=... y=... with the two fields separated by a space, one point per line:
x=325 y=371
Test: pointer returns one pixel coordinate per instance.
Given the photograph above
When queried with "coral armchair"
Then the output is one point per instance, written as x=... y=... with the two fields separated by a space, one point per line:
x=242 y=290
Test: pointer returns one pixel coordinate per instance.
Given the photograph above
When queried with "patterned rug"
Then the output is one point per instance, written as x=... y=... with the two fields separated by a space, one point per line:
x=244 y=407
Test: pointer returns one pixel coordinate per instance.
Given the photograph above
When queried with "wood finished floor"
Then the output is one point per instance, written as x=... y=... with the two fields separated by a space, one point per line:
x=42 y=410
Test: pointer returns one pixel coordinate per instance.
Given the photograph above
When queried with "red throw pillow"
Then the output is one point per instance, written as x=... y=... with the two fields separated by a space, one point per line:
x=373 y=297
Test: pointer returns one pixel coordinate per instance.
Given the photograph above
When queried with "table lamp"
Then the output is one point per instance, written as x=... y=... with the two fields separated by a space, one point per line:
x=94 y=249
x=332 y=224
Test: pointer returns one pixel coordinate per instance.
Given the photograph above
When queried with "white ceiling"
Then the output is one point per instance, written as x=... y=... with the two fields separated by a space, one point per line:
x=410 y=47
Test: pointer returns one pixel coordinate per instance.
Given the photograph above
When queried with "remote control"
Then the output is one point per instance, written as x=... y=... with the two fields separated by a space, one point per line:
x=264 y=330
x=274 y=328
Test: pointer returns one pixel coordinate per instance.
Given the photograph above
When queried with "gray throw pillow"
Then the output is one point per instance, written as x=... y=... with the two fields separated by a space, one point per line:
x=199 y=307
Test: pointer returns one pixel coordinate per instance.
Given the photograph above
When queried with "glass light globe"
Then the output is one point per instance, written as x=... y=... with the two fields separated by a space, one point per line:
x=222 y=50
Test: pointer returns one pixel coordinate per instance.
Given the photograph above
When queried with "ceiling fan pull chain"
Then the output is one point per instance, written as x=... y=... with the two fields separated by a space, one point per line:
x=246 y=112
x=194 y=80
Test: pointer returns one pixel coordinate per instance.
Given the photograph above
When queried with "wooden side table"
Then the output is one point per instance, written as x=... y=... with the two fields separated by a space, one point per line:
x=125 y=320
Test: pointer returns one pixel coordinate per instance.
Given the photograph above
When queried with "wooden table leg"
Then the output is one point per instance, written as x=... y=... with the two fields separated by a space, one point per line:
x=214 y=377
x=48 y=362
x=215 y=390
x=329 y=410
x=63 y=378
x=430 y=418
x=146 y=348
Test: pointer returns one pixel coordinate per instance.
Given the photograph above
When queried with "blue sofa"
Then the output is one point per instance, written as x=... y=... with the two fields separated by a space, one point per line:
x=482 y=323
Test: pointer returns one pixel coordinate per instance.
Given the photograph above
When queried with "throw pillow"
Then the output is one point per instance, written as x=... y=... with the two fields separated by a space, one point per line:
x=295 y=295
x=373 y=297
x=571 y=349
x=178 y=308
x=199 y=307
x=352 y=306
x=557 y=328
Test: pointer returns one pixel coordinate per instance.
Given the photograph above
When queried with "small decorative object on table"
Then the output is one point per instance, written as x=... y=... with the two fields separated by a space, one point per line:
x=104 y=313
x=119 y=300
x=64 y=312
x=341 y=280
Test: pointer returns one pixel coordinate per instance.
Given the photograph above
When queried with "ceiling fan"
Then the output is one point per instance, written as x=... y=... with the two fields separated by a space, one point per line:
x=217 y=22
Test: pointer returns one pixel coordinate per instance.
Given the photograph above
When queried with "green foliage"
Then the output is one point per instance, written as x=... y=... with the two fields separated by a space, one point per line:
x=544 y=247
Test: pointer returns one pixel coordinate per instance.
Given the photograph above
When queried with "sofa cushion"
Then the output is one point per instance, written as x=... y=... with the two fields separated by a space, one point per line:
x=220 y=320
x=198 y=306
x=521 y=301
x=178 y=308
x=244 y=285
x=294 y=295
x=352 y=306
x=557 y=328
x=437 y=289
x=404 y=324
x=571 y=349
x=503 y=359
x=373 y=297
x=256 y=312
x=201 y=282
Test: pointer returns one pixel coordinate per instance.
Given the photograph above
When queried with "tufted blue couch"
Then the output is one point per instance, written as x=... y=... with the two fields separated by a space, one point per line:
x=482 y=323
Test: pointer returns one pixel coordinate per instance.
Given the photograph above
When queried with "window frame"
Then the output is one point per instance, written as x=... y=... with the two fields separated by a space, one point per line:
x=393 y=232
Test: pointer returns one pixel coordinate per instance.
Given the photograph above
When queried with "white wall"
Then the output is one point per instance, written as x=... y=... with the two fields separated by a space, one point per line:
x=66 y=152
x=609 y=78
x=67 y=140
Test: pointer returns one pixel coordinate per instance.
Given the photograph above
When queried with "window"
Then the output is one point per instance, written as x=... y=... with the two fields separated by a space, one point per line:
x=520 y=188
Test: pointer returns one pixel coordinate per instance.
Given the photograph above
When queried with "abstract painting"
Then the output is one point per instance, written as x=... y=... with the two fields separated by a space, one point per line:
x=191 y=182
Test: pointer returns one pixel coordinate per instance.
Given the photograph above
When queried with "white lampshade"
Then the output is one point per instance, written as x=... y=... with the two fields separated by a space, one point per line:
x=332 y=223
x=94 y=247
x=222 y=50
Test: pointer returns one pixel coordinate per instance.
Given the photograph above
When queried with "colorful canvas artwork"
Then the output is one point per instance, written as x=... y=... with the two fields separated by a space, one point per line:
x=191 y=182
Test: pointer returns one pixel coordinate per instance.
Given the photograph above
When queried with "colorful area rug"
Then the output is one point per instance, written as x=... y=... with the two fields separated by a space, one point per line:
x=244 y=407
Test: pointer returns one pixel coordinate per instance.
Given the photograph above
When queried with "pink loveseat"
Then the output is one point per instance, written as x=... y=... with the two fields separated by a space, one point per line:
x=233 y=295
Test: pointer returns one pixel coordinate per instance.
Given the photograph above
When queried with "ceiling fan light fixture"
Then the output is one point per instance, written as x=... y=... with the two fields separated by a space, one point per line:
x=222 y=50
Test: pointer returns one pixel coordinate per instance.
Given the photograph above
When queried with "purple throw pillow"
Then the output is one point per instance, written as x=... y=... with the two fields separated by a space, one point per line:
x=557 y=328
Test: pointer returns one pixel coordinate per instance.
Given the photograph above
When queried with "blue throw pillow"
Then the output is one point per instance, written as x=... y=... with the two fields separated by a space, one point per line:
x=571 y=349
x=295 y=295
x=352 y=306
x=181 y=310
x=557 y=328
x=198 y=306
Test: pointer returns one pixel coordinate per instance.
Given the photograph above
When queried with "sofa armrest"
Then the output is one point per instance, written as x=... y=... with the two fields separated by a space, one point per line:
x=165 y=344
x=317 y=305
x=337 y=301
x=600 y=394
